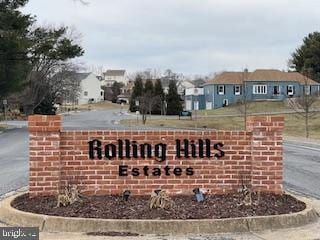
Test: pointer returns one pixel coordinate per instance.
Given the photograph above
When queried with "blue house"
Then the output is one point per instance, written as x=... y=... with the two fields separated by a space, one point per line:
x=232 y=87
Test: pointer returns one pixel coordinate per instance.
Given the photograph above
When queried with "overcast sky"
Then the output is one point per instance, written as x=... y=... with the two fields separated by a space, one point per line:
x=187 y=36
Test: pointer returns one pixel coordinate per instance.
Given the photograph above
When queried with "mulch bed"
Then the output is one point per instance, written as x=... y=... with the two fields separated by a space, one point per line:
x=186 y=207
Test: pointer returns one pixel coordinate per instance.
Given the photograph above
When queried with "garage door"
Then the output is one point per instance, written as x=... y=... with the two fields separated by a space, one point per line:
x=208 y=105
x=188 y=105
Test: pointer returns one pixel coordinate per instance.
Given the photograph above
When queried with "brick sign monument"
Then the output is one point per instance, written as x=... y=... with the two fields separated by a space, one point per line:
x=110 y=161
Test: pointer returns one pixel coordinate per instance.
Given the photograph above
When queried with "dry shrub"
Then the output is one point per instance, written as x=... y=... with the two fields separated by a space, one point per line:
x=160 y=199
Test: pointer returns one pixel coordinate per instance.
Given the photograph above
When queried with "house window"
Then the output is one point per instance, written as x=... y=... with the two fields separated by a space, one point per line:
x=259 y=89
x=225 y=102
x=85 y=93
x=290 y=90
x=237 y=90
x=221 y=89
x=276 y=90
x=307 y=90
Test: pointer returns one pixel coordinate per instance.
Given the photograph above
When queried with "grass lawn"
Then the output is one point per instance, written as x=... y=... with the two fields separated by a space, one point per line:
x=294 y=123
x=255 y=107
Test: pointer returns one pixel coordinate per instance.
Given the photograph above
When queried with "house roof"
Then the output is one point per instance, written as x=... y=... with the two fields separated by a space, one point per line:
x=260 y=75
x=198 y=82
x=276 y=75
x=114 y=73
x=227 y=78
x=186 y=84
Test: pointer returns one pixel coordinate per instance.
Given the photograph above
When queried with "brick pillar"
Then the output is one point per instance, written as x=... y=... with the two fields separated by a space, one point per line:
x=267 y=152
x=44 y=152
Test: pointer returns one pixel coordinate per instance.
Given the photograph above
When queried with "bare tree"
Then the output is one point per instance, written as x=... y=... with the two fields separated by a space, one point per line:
x=62 y=86
x=243 y=103
x=67 y=85
x=96 y=69
x=146 y=103
x=303 y=104
x=51 y=53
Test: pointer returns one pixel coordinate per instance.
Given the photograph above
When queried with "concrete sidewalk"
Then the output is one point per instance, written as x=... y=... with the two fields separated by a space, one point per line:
x=308 y=232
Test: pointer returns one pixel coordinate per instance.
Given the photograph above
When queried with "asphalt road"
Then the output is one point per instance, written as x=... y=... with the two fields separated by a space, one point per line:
x=301 y=161
x=13 y=159
x=302 y=168
x=107 y=119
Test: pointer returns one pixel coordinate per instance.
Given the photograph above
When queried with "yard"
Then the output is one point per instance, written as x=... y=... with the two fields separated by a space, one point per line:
x=230 y=118
x=253 y=108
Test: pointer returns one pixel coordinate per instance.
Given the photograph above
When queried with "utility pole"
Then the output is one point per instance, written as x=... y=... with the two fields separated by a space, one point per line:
x=196 y=106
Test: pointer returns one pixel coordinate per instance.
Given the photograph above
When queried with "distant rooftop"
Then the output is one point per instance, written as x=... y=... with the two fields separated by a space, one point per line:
x=114 y=73
x=260 y=75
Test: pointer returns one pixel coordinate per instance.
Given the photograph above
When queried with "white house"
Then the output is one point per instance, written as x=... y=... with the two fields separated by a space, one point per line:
x=195 y=94
x=111 y=76
x=90 y=88
x=182 y=86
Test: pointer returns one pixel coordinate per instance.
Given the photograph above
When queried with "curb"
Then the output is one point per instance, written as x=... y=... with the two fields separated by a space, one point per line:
x=47 y=223
x=15 y=193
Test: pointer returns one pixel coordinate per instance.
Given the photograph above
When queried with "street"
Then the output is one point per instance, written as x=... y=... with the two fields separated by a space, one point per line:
x=302 y=169
x=107 y=119
x=301 y=161
x=13 y=159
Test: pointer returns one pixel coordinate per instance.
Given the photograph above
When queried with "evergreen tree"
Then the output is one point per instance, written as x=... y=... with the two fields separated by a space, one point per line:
x=306 y=58
x=148 y=87
x=174 y=106
x=14 y=45
x=30 y=57
x=136 y=93
x=46 y=106
x=158 y=92
x=116 y=90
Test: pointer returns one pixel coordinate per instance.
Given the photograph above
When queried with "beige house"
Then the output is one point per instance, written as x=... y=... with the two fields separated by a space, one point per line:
x=111 y=76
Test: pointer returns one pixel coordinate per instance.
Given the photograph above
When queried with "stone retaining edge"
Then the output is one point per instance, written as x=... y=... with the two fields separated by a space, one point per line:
x=12 y=216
